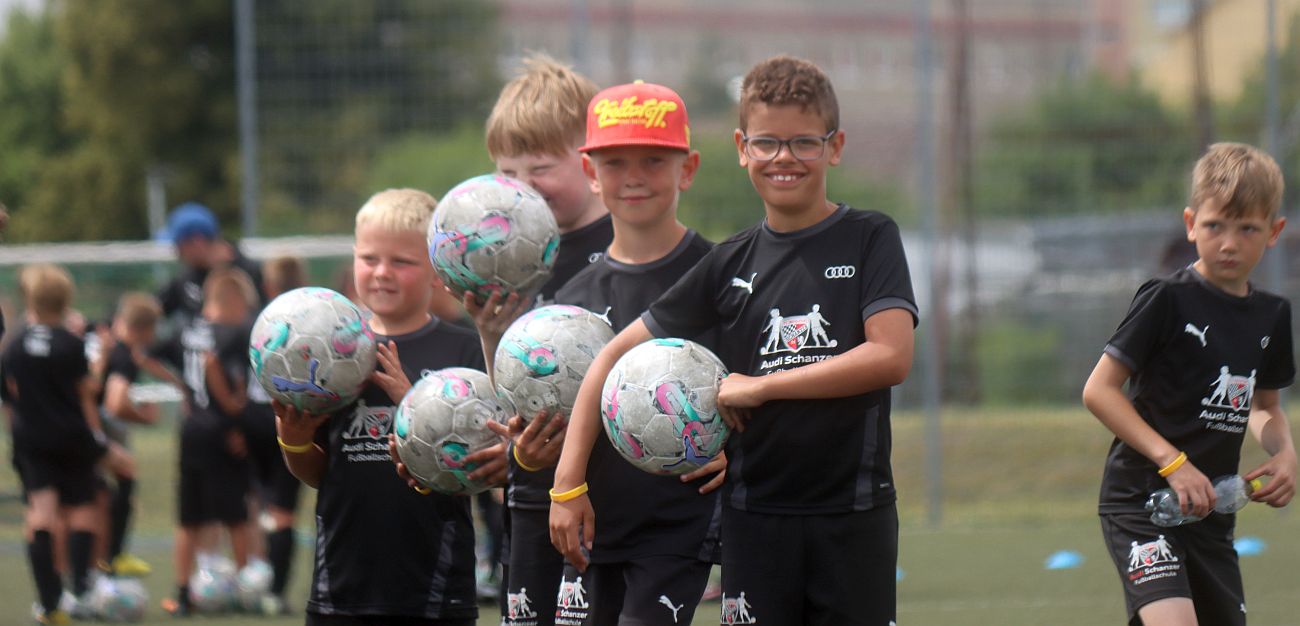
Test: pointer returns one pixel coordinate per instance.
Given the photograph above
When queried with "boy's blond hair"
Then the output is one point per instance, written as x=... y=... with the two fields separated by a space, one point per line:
x=787 y=80
x=138 y=310
x=47 y=288
x=284 y=273
x=230 y=277
x=1244 y=178
x=398 y=211
x=543 y=110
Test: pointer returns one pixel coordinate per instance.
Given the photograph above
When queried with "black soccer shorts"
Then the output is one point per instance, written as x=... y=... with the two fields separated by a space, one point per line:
x=645 y=591
x=834 y=569
x=533 y=571
x=73 y=475
x=1194 y=561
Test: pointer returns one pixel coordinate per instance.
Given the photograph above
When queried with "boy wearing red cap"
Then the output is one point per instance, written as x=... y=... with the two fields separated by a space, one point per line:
x=658 y=537
x=817 y=309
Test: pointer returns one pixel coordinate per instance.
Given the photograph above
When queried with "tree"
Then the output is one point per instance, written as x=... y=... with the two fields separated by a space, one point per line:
x=1243 y=119
x=1095 y=146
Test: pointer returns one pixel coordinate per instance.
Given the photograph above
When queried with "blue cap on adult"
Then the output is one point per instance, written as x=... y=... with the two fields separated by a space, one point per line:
x=189 y=220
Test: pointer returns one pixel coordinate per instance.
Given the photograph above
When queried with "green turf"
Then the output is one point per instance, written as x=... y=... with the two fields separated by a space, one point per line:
x=1020 y=485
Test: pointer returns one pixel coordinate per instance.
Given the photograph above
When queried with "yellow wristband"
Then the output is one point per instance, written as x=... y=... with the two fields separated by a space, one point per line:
x=565 y=496
x=1173 y=465
x=306 y=447
x=520 y=463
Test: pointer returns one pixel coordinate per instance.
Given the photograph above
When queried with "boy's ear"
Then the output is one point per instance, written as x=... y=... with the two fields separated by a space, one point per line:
x=690 y=165
x=1278 y=225
x=740 y=148
x=836 y=147
x=1189 y=221
x=589 y=169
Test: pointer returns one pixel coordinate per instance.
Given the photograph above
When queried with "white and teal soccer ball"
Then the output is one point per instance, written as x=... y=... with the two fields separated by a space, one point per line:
x=213 y=585
x=543 y=356
x=312 y=348
x=118 y=599
x=660 y=406
x=253 y=584
x=443 y=419
x=493 y=233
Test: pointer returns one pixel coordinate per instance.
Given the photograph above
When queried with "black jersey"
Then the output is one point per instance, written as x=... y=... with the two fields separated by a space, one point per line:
x=578 y=249
x=182 y=297
x=203 y=433
x=382 y=548
x=119 y=362
x=781 y=301
x=45 y=364
x=640 y=514
x=1197 y=355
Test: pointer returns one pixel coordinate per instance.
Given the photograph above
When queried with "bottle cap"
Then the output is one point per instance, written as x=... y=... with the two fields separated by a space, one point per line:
x=1255 y=485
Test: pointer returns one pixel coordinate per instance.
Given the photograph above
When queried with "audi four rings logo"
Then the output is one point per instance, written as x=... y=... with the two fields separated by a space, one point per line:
x=840 y=271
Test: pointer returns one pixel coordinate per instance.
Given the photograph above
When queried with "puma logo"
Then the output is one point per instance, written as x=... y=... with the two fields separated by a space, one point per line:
x=746 y=285
x=604 y=317
x=1197 y=332
x=669 y=603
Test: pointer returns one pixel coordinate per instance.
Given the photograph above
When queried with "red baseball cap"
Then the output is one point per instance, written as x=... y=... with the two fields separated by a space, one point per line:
x=637 y=114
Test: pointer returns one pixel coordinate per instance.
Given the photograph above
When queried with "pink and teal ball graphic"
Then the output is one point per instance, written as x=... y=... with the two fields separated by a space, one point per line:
x=443 y=419
x=493 y=233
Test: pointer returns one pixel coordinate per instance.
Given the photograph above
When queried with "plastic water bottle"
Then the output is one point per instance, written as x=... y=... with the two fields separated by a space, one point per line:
x=1231 y=494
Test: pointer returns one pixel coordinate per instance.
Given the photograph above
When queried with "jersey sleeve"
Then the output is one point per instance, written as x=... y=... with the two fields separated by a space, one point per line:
x=1141 y=333
x=688 y=307
x=121 y=362
x=1279 y=365
x=886 y=281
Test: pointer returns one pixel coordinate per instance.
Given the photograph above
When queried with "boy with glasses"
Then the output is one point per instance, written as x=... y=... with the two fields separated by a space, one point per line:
x=809 y=521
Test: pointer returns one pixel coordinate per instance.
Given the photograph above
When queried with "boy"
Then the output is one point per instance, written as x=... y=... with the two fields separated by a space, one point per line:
x=808 y=514
x=49 y=396
x=658 y=534
x=131 y=332
x=1188 y=337
x=533 y=134
x=275 y=487
x=213 y=457
x=386 y=554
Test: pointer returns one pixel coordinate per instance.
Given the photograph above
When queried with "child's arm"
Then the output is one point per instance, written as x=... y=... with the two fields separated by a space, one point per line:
x=573 y=522
x=296 y=433
x=230 y=396
x=1269 y=425
x=88 y=390
x=883 y=360
x=117 y=401
x=1103 y=394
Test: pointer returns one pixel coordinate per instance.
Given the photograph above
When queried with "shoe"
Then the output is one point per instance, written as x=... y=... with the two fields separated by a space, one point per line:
x=175 y=608
x=272 y=605
x=130 y=566
x=79 y=608
x=54 y=618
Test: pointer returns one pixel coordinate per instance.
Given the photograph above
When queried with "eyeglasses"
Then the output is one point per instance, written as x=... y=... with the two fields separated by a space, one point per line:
x=804 y=148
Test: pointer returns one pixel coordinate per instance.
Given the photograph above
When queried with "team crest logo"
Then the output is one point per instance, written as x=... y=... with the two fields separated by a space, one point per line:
x=1150 y=553
x=794 y=333
x=518 y=606
x=370 y=423
x=1230 y=391
x=572 y=594
x=736 y=610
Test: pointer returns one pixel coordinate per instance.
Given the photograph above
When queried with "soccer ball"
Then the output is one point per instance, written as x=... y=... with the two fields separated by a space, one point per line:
x=253 y=583
x=213 y=586
x=118 y=599
x=493 y=233
x=442 y=419
x=543 y=356
x=312 y=348
x=660 y=406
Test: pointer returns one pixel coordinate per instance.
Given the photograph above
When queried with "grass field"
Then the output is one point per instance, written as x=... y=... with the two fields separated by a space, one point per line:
x=1019 y=485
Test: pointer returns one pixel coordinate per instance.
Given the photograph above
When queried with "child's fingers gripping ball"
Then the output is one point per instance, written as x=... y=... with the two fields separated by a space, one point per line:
x=313 y=349
x=443 y=420
x=660 y=406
